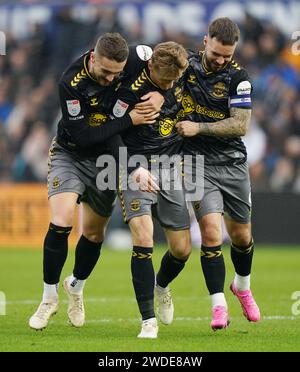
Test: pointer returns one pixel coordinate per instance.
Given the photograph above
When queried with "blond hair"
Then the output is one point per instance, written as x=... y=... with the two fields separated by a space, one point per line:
x=170 y=59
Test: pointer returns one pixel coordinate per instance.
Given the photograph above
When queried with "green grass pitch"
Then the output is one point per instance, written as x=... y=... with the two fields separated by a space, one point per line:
x=112 y=318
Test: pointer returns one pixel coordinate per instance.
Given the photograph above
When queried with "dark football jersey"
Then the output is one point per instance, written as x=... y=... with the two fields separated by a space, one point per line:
x=86 y=106
x=158 y=138
x=208 y=97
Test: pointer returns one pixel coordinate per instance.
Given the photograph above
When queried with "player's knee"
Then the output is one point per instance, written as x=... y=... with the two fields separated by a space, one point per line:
x=94 y=234
x=141 y=231
x=143 y=240
x=63 y=219
x=95 y=237
x=241 y=237
x=182 y=248
x=142 y=237
x=181 y=254
x=211 y=234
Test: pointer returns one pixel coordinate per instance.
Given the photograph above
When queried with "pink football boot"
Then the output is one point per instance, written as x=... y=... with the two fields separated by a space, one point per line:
x=249 y=306
x=219 y=318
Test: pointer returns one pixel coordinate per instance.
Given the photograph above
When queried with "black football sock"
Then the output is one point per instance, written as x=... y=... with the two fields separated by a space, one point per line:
x=213 y=267
x=55 y=252
x=242 y=258
x=143 y=279
x=86 y=257
x=170 y=267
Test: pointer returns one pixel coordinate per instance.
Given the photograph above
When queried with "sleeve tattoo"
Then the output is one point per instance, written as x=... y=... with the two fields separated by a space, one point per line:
x=234 y=126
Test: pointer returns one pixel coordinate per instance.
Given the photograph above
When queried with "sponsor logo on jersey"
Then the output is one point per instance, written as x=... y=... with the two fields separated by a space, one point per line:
x=74 y=118
x=120 y=108
x=166 y=126
x=202 y=110
x=189 y=107
x=73 y=107
x=96 y=119
x=187 y=103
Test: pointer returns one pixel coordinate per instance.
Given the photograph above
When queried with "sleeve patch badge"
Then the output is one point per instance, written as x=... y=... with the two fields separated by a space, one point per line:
x=243 y=88
x=120 y=108
x=73 y=107
x=144 y=52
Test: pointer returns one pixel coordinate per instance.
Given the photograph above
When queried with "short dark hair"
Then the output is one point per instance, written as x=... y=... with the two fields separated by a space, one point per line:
x=224 y=30
x=112 y=46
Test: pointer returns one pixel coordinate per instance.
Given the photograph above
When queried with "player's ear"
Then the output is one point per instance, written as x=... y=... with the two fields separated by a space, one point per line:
x=150 y=66
x=92 y=57
x=205 y=40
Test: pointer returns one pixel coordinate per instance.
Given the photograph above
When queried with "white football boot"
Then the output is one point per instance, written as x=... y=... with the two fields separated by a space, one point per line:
x=41 y=317
x=149 y=328
x=75 y=311
x=165 y=307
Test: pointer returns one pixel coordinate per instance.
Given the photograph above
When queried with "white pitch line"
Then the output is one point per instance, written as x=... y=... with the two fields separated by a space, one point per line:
x=130 y=299
x=91 y=299
x=280 y=317
x=188 y=319
x=95 y=299
x=108 y=320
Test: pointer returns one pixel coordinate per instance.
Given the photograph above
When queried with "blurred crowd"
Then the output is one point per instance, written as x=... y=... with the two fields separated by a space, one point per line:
x=29 y=106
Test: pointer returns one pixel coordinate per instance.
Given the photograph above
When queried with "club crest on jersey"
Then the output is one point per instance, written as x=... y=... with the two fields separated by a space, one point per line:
x=119 y=108
x=192 y=79
x=219 y=90
x=73 y=107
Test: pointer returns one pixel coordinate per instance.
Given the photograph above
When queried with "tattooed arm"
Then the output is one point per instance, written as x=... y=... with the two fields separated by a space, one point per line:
x=234 y=126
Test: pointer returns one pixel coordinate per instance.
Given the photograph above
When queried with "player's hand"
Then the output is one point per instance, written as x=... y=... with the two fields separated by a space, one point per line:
x=145 y=180
x=139 y=118
x=187 y=128
x=152 y=102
